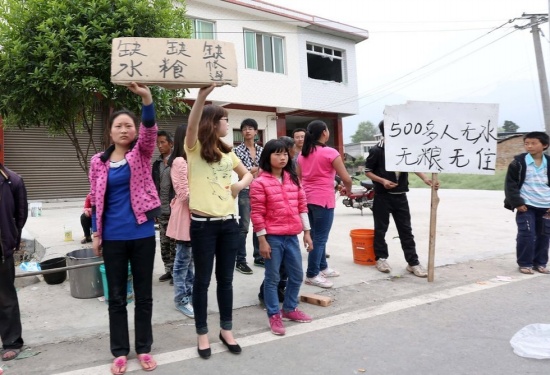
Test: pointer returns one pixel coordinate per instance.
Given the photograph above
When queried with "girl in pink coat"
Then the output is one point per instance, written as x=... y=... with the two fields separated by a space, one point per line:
x=279 y=214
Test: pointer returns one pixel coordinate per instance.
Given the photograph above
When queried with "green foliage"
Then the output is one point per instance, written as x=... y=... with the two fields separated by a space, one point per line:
x=463 y=181
x=366 y=131
x=56 y=55
x=510 y=126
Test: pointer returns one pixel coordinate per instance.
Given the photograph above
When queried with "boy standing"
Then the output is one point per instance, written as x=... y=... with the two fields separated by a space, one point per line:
x=527 y=190
x=390 y=198
x=249 y=152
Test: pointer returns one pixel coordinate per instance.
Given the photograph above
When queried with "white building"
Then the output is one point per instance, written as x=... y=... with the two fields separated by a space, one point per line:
x=293 y=68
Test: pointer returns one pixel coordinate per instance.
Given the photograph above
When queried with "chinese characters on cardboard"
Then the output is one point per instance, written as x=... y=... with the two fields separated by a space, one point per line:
x=173 y=63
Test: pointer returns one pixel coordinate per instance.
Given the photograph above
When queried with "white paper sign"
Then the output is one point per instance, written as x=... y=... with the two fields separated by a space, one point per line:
x=441 y=137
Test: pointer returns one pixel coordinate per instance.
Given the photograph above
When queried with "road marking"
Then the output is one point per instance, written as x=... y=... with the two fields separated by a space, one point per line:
x=316 y=325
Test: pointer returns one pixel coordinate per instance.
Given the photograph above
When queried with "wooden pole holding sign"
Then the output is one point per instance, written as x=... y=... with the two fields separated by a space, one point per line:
x=433 y=226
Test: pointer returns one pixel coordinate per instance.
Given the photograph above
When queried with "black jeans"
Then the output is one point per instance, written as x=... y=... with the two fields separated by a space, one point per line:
x=214 y=239
x=141 y=255
x=398 y=206
x=10 y=317
x=86 y=222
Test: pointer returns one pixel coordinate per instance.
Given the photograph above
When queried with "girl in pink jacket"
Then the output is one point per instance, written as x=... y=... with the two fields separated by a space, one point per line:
x=279 y=214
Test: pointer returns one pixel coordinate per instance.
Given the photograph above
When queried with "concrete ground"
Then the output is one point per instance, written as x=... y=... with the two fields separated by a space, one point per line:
x=471 y=225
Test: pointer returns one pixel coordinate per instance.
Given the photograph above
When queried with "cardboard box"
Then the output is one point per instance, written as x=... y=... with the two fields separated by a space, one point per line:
x=173 y=63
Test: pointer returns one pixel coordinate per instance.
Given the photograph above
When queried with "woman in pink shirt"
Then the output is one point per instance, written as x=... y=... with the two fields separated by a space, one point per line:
x=317 y=166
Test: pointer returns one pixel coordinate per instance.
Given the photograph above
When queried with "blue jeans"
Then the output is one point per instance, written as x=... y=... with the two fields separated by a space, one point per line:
x=244 y=224
x=183 y=273
x=320 y=219
x=532 y=239
x=286 y=250
x=209 y=240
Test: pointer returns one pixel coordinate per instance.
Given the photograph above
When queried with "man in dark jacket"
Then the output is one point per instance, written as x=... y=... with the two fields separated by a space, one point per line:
x=163 y=183
x=391 y=198
x=13 y=215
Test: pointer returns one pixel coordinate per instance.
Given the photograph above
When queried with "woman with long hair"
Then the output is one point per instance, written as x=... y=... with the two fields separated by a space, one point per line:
x=317 y=166
x=178 y=226
x=214 y=228
x=124 y=204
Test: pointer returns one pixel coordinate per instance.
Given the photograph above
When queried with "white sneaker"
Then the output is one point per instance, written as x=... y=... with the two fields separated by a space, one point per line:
x=329 y=272
x=383 y=266
x=417 y=270
x=186 y=309
x=319 y=281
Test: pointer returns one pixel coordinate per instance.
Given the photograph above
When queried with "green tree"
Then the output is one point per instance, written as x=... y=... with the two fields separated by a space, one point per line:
x=365 y=132
x=55 y=62
x=510 y=126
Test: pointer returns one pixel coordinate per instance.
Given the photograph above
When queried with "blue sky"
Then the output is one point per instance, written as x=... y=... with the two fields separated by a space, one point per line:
x=442 y=50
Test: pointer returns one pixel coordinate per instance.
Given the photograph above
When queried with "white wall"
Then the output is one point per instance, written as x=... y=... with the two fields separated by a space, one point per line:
x=293 y=89
x=323 y=95
x=255 y=87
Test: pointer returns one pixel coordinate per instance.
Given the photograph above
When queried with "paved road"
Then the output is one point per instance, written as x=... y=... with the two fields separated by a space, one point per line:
x=462 y=321
x=461 y=324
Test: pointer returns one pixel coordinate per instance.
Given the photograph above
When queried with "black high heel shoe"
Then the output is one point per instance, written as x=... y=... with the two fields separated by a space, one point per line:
x=235 y=349
x=204 y=353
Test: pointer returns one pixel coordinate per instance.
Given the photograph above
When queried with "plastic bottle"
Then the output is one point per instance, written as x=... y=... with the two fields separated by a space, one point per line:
x=29 y=266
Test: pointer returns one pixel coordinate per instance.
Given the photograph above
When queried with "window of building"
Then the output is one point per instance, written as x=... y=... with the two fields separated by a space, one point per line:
x=238 y=137
x=325 y=63
x=204 y=29
x=264 y=52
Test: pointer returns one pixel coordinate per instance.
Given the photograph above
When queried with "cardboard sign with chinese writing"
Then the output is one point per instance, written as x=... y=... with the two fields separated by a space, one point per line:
x=441 y=137
x=173 y=63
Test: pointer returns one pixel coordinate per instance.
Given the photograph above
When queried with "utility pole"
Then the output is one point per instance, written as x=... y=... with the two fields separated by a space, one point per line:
x=536 y=20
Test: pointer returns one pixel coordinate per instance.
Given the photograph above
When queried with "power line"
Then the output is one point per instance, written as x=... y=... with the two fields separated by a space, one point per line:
x=415 y=79
x=387 y=85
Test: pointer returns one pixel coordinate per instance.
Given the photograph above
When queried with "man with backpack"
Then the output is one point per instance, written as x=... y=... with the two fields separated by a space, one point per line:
x=13 y=216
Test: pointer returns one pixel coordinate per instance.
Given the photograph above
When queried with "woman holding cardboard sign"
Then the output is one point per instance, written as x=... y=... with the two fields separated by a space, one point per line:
x=124 y=203
x=214 y=228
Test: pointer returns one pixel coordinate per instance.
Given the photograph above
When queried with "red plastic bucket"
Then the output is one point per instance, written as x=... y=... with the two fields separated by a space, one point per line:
x=362 y=241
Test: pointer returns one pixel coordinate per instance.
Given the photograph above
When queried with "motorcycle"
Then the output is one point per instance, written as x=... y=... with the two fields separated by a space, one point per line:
x=361 y=196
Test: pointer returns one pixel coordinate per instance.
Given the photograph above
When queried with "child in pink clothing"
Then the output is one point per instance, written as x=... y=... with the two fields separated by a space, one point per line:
x=279 y=214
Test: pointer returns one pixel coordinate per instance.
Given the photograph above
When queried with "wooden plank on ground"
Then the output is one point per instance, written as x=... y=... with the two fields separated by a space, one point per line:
x=316 y=299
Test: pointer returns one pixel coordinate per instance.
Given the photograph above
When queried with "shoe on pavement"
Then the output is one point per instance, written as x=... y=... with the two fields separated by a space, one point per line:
x=166 y=277
x=296 y=316
x=319 y=281
x=417 y=270
x=383 y=266
x=276 y=325
x=172 y=281
x=329 y=272
x=259 y=262
x=244 y=269
x=186 y=309
x=86 y=240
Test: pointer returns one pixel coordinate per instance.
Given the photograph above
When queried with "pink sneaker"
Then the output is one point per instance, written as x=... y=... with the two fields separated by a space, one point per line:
x=276 y=324
x=296 y=316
